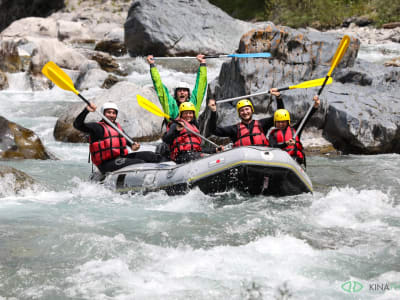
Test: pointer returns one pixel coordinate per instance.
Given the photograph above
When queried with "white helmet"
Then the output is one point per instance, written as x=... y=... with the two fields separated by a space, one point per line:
x=109 y=105
x=182 y=85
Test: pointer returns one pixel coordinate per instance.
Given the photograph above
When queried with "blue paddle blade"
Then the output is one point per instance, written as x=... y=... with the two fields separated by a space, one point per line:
x=251 y=55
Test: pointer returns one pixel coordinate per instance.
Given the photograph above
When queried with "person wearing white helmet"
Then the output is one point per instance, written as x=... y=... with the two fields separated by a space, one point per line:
x=108 y=149
x=170 y=104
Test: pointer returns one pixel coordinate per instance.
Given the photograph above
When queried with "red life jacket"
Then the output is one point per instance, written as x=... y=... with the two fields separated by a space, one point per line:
x=110 y=146
x=247 y=138
x=186 y=141
x=295 y=150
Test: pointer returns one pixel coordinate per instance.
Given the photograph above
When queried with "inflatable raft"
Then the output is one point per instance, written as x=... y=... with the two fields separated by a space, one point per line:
x=254 y=170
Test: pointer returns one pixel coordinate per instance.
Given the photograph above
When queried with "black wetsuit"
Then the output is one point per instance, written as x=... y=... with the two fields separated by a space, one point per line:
x=96 y=132
x=184 y=156
x=232 y=130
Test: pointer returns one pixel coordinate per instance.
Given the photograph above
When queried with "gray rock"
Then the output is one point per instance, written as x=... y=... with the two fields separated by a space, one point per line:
x=360 y=111
x=185 y=27
x=136 y=122
x=11 y=10
x=19 y=142
x=16 y=181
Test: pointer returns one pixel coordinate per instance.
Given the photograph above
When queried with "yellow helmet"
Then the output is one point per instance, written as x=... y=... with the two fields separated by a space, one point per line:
x=185 y=106
x=281 y=115
x=243 y=103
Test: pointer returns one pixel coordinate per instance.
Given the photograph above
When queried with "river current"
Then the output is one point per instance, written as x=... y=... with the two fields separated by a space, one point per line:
x=68 y=238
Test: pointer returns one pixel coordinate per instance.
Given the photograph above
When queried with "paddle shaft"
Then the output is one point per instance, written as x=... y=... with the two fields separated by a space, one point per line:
x=310 y=109
x=344 y=43
x=195 y=133
x=236 y=55
x=251 y=95
x=109 y=122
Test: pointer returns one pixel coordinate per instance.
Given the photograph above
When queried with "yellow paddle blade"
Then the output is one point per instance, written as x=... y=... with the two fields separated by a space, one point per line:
x=311 y=83
x=151 y=107
x=340 y=51
x=58 y=77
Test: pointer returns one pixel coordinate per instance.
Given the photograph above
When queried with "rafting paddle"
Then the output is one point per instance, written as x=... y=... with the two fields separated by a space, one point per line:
x=303 y=85
x=154 y=109
x=62 y=80
x=340 y=51
x=234 y=55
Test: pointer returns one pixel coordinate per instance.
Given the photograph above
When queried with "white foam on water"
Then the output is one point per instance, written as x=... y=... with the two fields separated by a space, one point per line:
x=180 y=272
x=350 y=208
x=194 y=201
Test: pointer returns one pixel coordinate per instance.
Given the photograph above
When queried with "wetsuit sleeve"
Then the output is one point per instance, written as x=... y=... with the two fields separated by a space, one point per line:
x=167 y=102
x=95 y=130
x=267 y=123
x=279 y=103
x=200 y=87
x=313 y=110
x=228 y=131
x=170 y=135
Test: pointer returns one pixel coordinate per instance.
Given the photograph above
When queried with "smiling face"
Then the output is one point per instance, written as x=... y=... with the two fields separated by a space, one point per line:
x=187 y=115
x=281 y=124
x=110 y=114
x=246 y=113
x=182 y=95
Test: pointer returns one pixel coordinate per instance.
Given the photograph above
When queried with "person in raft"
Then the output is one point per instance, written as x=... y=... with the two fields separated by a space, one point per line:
x=184 y=145
x=108 y=149
x=182 y=93
x=282 y=135
x=248 y=131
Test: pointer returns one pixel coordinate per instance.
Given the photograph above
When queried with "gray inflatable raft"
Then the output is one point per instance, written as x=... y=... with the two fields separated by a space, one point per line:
x=254 y=170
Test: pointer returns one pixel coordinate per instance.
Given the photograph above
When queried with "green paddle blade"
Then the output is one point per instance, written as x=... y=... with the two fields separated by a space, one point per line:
x=311 y=83
x=340 y=51
x=151 y=107
x=58 y=77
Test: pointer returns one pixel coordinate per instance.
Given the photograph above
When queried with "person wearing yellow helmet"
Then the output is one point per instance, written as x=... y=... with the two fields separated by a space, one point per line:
x=248 y=131
x=170 y=104
x=108 y=148
x=282 y=136
x=184 y=145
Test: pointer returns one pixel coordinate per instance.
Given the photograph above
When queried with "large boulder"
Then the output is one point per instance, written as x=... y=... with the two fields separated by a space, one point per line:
x=185 y=27
x=11 y=10
x=136 y=122
x=19 y=142
x=14 y=181
x=360 y=111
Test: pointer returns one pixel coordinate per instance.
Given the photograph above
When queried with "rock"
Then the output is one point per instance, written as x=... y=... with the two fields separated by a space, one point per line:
x=391 y=25
x=360 y=110
x=31 y=27
x=107 y=63
x=91 y=79
x=9 y=57
x=20 y=142
x=395 y=62
x=109 y=82
x=68 y=30
x=14 y=181
x=360 y=21
x=11 y=10
x=138 y=123
x=113 y=47
x=3 y=81
x=185 y=27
